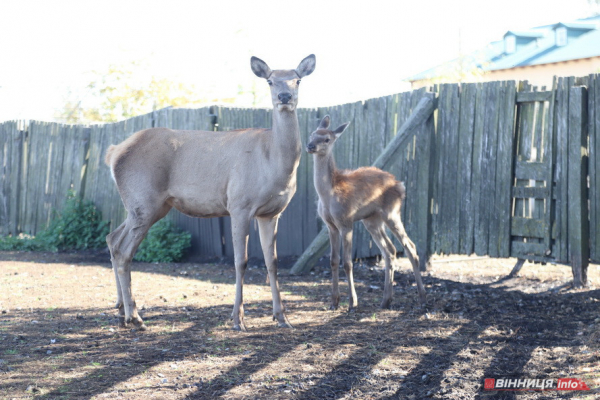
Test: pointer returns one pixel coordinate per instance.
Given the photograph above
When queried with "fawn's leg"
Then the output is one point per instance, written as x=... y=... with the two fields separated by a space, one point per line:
x=396 y=226
x=335 y=243
x=347 y=260
x=376 y=228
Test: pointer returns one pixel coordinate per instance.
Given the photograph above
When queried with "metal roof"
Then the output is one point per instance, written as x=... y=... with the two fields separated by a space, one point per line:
x=583 y=42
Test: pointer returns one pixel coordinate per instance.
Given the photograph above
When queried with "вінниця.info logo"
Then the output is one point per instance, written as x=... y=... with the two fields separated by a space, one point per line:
x=534 y=384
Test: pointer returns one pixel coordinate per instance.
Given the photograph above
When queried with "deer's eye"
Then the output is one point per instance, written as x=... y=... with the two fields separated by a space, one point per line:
x=298 y=82
x=327 y=140
x=270 y=82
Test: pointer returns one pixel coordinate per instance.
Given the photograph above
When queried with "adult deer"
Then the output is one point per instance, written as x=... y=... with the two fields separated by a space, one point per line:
x=367 y=194
x=249 y=173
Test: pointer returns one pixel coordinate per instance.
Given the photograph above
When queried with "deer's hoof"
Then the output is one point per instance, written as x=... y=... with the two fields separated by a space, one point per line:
x=284 y=324
x=386 y=304
x=239 y=327
x=138 y=323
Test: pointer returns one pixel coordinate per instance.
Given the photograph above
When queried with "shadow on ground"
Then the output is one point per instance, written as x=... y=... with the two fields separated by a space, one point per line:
x=468 y=332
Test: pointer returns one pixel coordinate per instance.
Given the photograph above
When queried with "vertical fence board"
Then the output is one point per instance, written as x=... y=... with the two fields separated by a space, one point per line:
x=577 y=185
x=562 y=168
x=504 y=170
x=448 y=125
x=479 y=146
x=468 y=98
x=594 y=164
x=12 y=146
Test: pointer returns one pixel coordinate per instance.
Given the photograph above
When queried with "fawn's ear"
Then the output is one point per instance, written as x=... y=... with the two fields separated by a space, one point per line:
x=340 y=129
x=260 y=68
x=324 y=124
x=306 y=66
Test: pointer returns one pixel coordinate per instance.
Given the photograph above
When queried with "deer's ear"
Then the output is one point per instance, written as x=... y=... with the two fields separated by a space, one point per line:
x=306 y=66
x=324 y=124
x=340 y=129
x=260 y=68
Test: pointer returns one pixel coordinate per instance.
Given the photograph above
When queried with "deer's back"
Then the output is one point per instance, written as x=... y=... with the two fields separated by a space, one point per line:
x=362 y=192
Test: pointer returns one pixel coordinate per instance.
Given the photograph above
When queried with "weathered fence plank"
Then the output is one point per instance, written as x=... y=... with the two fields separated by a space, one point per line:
x=12 y=142
x=560 y=248
x=577 y=185
x=594 y=164
x=447 y=176
x=468 y=97
x=501 y=237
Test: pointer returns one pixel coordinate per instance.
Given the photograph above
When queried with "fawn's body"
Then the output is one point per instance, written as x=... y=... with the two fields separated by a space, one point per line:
x=367 y=194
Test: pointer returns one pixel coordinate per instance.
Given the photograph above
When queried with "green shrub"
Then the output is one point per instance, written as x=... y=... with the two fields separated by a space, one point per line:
x=79 y=226
x=163 y=243
x=22 y=243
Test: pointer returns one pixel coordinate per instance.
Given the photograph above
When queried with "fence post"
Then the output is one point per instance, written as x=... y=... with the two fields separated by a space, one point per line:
x=578 y=224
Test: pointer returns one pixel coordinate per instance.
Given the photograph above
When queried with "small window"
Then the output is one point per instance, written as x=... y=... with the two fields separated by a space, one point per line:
x=561 y=36
x=510 y=44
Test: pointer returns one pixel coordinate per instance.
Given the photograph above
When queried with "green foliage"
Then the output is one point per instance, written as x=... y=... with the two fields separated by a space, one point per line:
x=164 y=243
x=79 y=226
x=22 y=243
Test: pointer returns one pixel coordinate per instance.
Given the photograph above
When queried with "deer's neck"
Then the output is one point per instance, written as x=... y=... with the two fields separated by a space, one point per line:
x=286 y=140
x=324 y=171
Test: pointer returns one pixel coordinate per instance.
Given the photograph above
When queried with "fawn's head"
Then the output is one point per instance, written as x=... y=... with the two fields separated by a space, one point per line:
x=283 y=82
x=321 y=141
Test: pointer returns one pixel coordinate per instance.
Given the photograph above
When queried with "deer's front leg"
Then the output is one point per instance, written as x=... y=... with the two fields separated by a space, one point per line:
x=347 y=260
x=239 y=230
x=267 y=229
x=335 y=243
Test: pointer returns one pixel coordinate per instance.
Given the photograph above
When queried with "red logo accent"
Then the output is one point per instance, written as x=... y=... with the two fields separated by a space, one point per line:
x=489 y=383
x=571 y=384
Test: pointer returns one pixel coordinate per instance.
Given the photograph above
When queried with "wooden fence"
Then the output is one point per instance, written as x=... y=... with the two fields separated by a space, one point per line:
x=500 y=169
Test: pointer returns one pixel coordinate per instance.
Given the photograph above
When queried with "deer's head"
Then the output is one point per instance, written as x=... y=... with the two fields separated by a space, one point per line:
x=321 y=141
x=283 y=82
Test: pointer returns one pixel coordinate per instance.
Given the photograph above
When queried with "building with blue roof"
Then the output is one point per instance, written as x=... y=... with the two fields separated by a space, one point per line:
x=536 y=55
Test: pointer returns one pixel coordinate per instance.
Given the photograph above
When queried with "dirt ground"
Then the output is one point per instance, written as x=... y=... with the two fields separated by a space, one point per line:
x=59 y=337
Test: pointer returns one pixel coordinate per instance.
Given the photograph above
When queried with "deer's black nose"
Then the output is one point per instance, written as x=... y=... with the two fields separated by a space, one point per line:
x=311 y=147
x=284 y=97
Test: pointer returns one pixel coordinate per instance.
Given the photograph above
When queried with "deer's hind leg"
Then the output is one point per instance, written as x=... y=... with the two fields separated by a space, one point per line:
x=123 y=243
x=114 y=235
x=394 y=222
x=376 y=228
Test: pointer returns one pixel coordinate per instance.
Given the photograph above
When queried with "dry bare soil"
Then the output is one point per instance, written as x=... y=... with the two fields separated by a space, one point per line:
x=59 y=337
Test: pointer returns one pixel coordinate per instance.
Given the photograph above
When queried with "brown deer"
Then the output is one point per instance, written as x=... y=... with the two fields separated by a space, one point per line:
x=248 y=173
x=367 y=194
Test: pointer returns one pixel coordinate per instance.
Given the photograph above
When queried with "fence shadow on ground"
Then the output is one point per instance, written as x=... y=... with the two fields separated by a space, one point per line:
x=484 y=331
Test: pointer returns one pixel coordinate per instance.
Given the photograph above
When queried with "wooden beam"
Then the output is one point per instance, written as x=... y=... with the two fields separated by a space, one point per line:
x=320 y=243
x=523 y=97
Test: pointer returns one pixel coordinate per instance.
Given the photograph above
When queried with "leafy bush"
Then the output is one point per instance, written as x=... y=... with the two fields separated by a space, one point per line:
x=163 y=243
x=22 y=242
x=79 y=226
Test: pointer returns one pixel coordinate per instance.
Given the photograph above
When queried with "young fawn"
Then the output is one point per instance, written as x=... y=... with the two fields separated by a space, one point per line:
x=366 y=194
